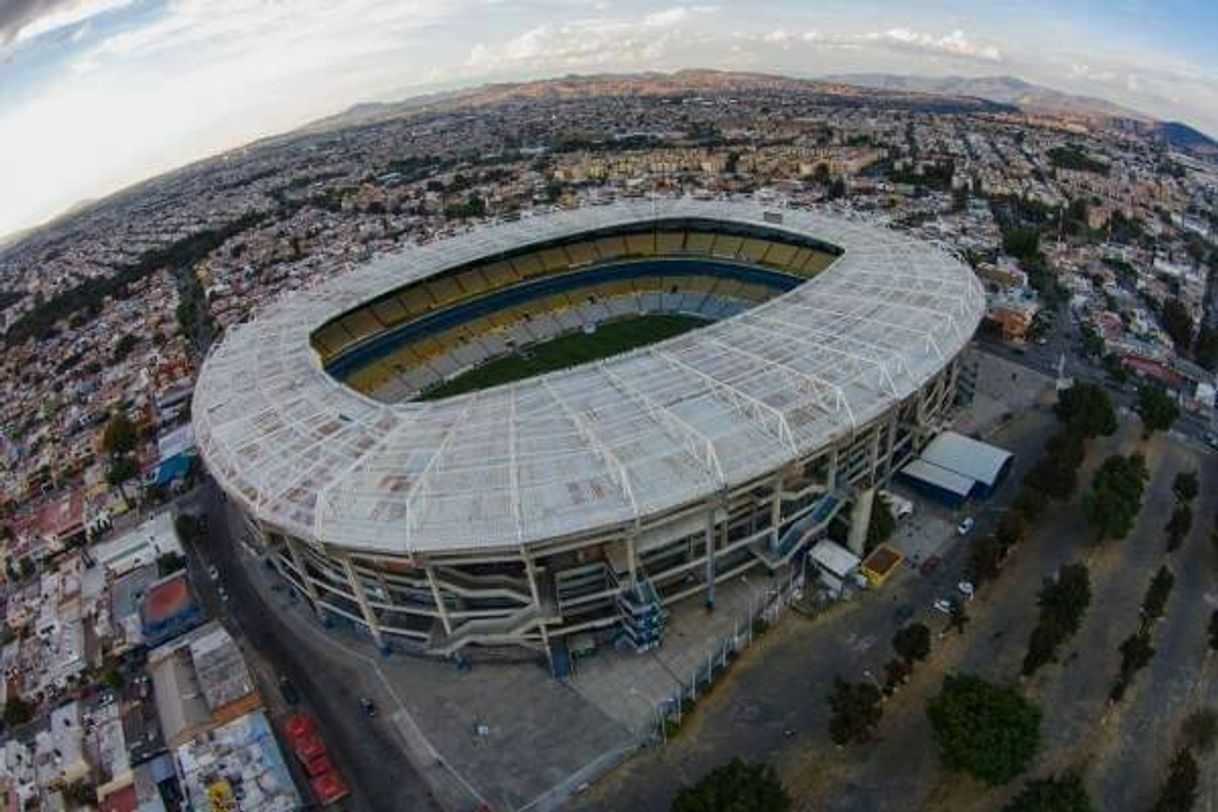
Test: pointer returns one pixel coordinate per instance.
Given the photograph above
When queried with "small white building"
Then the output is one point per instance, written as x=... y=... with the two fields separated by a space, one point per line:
x=837 y=567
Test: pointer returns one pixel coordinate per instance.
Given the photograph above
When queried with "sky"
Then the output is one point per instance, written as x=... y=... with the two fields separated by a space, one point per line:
x=98 y=94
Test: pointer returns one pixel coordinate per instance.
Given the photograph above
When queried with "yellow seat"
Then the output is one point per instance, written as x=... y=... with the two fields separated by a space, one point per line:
x=528 y=265
x=699 y=242
x=500 y=274
x=753 y=250
x=779 y=255
x=670 y=242
x=389 y=312
x=609 y=248
x=554 y=259
x=640 y=245
x=726 y=245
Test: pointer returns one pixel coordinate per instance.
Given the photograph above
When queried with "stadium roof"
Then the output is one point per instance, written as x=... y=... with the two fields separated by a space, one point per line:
x=588 y=448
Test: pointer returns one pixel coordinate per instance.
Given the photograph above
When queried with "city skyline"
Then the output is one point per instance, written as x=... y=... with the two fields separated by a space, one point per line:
x=97 y=95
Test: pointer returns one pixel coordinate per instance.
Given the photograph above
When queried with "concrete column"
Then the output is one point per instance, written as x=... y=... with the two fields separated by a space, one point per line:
x=302 y=573
x=357 y=590
x=892 y=444
x=873 y=455
x=710 y=557
x=541 y=624
x=860 y=519
x=439 y=599
x=775 y=511
x=632 y=559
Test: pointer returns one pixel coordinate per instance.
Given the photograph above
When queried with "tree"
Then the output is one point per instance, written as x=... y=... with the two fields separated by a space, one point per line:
x=1113 y=503
x=1031 y=502
x=1056 y=472
x=1205 y=350
x=1065 y=794
x=735 y=787
x=1178 y=525
x=1136 y=654
x=1063 y=602
x=1179 y=791
x=856 y=711
x=985 y=558
x=169 y=562
x=1086 y=409
x=912 y=643
x=123 y=348
x=1178 y=324
x=119 y=436
x=1012 y=529
x=122 y=469
x=112 y=678
x=1067 y=597
x=983 y=729
x=17 y=711
x=896 y=672
x=1155 y=602
x=1186 y=486
x=1200 y=730
x=1156 y=408
x=1043 y=643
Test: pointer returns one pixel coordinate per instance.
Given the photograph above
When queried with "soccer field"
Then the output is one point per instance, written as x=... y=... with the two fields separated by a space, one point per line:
x=568 y=351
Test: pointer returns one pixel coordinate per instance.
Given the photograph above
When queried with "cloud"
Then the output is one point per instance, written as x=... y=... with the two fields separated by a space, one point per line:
x=592 y=43
x=952 y=44
x=24 y=19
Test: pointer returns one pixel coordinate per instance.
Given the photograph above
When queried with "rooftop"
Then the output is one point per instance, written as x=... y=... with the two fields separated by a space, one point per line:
x=587 y=448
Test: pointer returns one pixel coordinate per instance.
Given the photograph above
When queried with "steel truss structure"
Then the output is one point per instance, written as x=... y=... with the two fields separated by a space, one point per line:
x=565 y=502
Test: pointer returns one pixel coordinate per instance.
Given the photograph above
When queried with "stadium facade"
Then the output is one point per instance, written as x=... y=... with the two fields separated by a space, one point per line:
x=590 y=498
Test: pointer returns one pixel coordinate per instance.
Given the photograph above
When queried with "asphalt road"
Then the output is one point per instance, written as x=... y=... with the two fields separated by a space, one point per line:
x=364 y=749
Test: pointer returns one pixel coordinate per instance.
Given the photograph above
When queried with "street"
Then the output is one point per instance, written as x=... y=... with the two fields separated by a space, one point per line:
x=365 y=749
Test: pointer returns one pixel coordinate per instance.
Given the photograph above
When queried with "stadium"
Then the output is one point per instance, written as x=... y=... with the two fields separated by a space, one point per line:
x=567 y=423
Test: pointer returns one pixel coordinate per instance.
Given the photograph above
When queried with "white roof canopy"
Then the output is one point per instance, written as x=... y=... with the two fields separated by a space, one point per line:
x=587 y=448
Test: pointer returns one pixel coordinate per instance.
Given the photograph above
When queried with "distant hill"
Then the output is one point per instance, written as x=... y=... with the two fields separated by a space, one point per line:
x=1004 y=89
x=1039 y=99
x=684 y=82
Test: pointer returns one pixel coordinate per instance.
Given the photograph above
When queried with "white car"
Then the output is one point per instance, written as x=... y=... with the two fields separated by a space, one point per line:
x=213 y=573
x=944 y=606
x=965 y=526
x=966 y=589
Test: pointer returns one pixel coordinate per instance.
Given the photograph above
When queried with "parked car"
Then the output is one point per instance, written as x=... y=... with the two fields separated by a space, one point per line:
x=966 y=589
x=213 y=573
x=965 y=526
x=367 y=706
x=930 y=565
x=943 y=605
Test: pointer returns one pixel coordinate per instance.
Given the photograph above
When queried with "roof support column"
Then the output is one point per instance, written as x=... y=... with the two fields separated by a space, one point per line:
x=873 y=455
x=441 y=607
x=357 y=591
x=531 y=571
x=775 y=511
x=710 y=556
x=302 y=572
x=632 y=558
x=860 y=520
x=891 y=443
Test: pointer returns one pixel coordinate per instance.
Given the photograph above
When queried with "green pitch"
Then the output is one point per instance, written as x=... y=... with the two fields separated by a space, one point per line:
x=568 y=351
